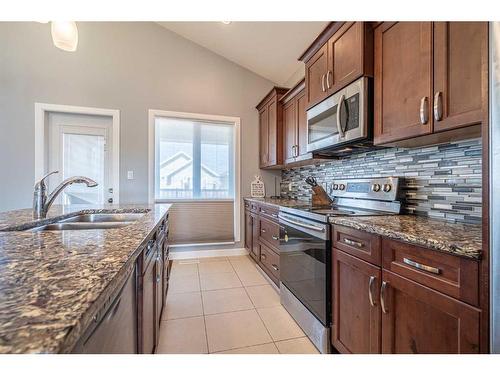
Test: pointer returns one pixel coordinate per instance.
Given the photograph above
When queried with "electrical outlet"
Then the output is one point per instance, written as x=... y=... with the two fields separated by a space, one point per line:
x=130 y=175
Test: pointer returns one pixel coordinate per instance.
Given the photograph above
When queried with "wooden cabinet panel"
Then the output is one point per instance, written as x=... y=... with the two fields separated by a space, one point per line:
x=269 y=232
x=460 y=71
x=316 y=69
x=356 y=315
x=271 y=263
x=421 y=320
x=403 y=80
x=274 y=134
x=255 y=253
x=289 y=130
x=301 y=106
x=361 y=244
x=158 y=294
x=345 y=56
x=148 y=308
x=264 y=137
x=248 y=230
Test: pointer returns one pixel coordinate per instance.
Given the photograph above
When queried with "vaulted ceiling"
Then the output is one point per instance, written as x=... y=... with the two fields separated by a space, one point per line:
x=269 y=49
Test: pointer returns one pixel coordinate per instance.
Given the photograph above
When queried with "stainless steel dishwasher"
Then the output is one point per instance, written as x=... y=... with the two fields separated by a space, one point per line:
x=114 y=329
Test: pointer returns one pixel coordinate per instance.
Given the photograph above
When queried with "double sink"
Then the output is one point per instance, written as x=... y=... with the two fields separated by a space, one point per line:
x=91 y=221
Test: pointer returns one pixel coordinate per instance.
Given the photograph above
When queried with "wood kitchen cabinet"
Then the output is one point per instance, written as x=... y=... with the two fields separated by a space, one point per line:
x=271 y=129
x=255 y=249
x=402 y=299
x=429 y=77
x=356 y=311
x=342 y=53
x=148 y=308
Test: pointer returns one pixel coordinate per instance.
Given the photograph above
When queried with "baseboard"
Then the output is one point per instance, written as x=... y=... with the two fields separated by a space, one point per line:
x=207 y=253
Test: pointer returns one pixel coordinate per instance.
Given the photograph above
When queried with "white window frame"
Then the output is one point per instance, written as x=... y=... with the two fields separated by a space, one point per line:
x=152 y=114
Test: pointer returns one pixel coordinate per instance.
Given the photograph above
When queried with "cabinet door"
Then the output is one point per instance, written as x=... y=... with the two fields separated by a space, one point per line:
x=255 y=253
x=148 y=308
x=345 y=56
x=356 y=310
x=301 y=123
x=248 y=230
x=158 y=294
x=274 y=134
x=460 y=71
x=263 y=136
x=403 y=80
x=316 y=69
x=290 y=130
x=418 y=319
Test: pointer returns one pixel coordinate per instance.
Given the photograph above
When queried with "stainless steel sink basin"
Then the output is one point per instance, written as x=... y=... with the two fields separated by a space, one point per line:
x=91 y=221
x=103 y=218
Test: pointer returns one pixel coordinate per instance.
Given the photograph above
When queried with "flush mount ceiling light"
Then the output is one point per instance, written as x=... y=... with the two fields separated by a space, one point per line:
x=64 y=35
x=226 y=22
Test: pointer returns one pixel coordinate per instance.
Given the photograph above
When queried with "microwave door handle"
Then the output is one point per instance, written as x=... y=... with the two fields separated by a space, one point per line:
x=339 y=109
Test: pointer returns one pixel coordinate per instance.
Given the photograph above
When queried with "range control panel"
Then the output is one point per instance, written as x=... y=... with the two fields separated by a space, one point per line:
x=382 y=188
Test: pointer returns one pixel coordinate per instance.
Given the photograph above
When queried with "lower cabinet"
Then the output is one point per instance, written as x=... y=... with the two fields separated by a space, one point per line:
x=356 y=311
x=148 y=308
x=377 y=310
x=255 y=249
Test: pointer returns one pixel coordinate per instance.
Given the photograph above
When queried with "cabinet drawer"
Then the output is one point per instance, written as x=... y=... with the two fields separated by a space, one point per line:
x=269 y=232
x=254 y=207
x=363 y=245
x=271 y=262
x=448 y=274
x=269 y=212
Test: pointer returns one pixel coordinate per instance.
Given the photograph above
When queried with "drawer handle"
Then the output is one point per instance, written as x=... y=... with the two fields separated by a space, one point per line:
x=420 y=266
x=263 y=230
x=263 y=256
x=371 y=284
x=275 y=267
x=276 y=238
x=274 y=215
x=382 y=297
x=353 y=243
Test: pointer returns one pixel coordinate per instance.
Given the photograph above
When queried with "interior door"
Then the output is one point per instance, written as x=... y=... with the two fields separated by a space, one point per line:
x=460 y=71
x=80 y=145
x=403 y=80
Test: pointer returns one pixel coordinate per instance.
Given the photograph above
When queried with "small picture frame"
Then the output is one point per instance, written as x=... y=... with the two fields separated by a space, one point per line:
x=257 y=188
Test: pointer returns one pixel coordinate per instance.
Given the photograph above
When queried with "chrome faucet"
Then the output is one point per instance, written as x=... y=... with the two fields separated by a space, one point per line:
x=42 y=201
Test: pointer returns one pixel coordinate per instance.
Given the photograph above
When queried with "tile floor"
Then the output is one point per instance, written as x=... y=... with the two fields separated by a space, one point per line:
x=224 y=305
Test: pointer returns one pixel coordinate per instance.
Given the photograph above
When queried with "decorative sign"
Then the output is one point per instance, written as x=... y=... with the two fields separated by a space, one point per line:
x=257 y=188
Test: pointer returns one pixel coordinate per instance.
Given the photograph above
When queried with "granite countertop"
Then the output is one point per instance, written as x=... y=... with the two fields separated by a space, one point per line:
x=52 y=283
x=279 y=202
x=455 y=238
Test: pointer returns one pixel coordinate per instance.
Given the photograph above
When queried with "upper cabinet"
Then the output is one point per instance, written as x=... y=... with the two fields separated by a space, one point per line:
x=429 y=77
x=271 y=129
x=341 y=54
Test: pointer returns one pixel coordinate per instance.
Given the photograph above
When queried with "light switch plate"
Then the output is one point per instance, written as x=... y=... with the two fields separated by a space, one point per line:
x=130 y=175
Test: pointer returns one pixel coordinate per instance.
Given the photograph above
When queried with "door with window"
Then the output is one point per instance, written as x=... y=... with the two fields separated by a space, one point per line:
x=80 y=145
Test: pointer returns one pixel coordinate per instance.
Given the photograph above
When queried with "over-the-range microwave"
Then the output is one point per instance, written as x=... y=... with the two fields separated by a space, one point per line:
x=342 y=122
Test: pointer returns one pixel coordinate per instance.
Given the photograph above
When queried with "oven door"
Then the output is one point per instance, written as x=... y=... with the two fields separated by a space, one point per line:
x=340 y=118
x=305 y=263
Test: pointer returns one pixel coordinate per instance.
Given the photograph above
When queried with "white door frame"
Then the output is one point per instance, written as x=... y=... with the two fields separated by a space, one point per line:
x=153 y=113
x=41 y=133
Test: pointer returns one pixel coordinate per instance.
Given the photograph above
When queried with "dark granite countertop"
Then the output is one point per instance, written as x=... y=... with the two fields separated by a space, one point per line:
x=454 y=238
x=279 y=202
x=51 y=283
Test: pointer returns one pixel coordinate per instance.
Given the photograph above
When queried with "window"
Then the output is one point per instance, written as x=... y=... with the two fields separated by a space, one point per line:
x=194 y=158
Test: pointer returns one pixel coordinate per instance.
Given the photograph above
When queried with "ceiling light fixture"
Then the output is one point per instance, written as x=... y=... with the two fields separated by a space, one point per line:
x=226 y=22
x=64 y=35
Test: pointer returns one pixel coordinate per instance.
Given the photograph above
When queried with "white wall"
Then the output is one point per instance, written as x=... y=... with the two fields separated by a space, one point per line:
x=130 y=66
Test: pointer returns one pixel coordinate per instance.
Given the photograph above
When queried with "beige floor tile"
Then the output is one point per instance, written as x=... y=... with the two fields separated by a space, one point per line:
x=243 y=264
x=251 y=277
x=279 y=323
x=263 y=296
x=181 y=269
x=215 y=267
x=297 y=346
x=235 y=330
x=225 y=300
x=219 y=281
x=241 y=259
x=212 y=259
x=184 y=284
x=185 y=261
x=183 y=305
x=257 y=349
x=183 y=336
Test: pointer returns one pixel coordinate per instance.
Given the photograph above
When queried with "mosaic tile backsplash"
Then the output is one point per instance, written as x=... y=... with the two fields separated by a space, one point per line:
x=442 y=181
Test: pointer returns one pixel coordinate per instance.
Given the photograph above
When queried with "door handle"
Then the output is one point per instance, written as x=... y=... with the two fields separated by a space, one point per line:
x=328 y=79
x=276 y=238
x=275 y=267
x=323 y=83
x=371 y=284
x=424 y=110
x=339 y=119
x=438 y=106
x=382 y=297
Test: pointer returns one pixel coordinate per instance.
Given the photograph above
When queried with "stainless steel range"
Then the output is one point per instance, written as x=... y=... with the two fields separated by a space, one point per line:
x=305 y=249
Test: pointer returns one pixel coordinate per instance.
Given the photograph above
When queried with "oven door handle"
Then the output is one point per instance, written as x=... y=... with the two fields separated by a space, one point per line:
x=303 y=225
